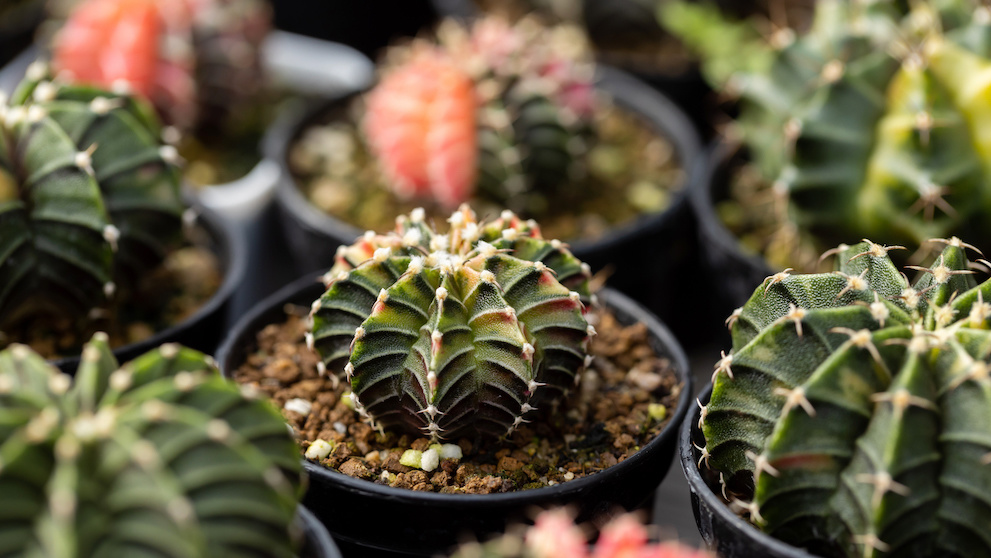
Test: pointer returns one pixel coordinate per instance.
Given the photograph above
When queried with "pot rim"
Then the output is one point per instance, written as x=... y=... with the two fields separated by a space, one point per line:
x=317 y=533
x=227 y=242
x=660 y=113
x=253 y=320
x=707 y=497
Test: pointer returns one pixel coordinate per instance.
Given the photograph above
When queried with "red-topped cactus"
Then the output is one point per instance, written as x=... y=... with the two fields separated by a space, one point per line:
x=500 y=108
x=196 y=60
x=457 y=333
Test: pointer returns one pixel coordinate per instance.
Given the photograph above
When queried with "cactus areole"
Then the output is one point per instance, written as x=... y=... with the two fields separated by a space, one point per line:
x=853 y=415
x=160 y=457
x=89 y=198
x=454 y=334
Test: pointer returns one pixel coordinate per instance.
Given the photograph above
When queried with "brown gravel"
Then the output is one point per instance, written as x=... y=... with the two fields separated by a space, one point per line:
x=602 y=424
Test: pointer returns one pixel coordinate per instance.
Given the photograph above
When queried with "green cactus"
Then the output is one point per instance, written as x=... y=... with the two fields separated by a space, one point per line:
x=873 y=123
x=853 y=414
x=89 y=197
x=458 y=333
x=161 y=457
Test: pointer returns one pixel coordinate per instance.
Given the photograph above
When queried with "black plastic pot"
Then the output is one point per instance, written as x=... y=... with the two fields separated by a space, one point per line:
x=368 y=519
x=648 y=258
x=317 y=542
x=725 y=532
x=205 y=328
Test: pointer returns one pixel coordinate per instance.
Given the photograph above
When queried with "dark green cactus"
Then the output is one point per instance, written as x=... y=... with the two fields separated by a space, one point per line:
x=457 y=333
x=161 y=457
x=873 y=123
x=853 y=414
x=89 y=197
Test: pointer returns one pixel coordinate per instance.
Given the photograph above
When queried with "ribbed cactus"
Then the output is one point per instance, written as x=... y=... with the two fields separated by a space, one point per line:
x=873 y=123
x=161 y=457
x=497 y=108
x=855 y=409
x=458 y=333
x=198 y=61
x=89 y=197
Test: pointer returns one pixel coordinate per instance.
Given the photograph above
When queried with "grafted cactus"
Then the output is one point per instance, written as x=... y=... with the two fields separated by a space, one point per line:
x=458 y=333
x=855 y=409
x=197 y=61
x=160 y=457
x=89 y=197
x=873 y=123
x=499 y=108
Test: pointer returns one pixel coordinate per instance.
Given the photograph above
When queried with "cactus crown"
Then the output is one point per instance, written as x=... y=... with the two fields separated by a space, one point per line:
x=499 y=108
x=161 y=456
x=197 y=61
x=458 y=333
x=855 y=409
x=89 y=197
x=872 y=123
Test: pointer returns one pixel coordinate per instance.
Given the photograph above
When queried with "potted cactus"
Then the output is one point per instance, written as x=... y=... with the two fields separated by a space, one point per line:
x=93 y=234
x=554 y=533
x=868 y=125
x=447 y=343
x=851 y=416
x=500 y=116
x=161 y=455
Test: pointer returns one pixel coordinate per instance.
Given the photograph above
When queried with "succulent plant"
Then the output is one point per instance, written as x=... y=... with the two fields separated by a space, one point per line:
x=499 y=108
x=198 y=61
x=870 y=124
x=555 y=534
x=454 y=334
x=89 y=197
x=159 y=457
x=855 y=409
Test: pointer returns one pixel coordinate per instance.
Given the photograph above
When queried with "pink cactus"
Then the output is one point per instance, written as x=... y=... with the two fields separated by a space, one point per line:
x=420 y=123
x=555 y=534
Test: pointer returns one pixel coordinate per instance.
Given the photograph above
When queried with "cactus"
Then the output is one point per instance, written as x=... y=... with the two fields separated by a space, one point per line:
x=853 y=414
x=89 y=198
x=554 y=534
x=198 y=61
x=160 y=457
x=873 y=123
x=454 y=334
x=499 y=108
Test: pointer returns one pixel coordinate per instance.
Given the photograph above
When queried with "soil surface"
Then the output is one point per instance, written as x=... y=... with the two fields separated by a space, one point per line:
x=604 y=422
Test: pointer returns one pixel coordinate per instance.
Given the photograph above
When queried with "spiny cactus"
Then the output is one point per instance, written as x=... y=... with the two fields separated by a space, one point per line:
x=855 y=409
x=198 y=61
x=874 y=123
x=499 y=108
x=89 y=197
x=555 y=534
x=458 y=333
x=160 y=457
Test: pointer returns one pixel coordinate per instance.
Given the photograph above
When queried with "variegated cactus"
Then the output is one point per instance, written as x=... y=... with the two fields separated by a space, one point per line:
x=853 y=415
x=458 y=333
x=873 y=123
x=197 y=61
x=89 y=198
x=499 y=109
x=160 y=457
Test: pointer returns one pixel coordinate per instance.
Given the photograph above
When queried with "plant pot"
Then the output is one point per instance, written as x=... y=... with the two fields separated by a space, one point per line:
x=204 y=329
x=732 y=274
x=647 y=257
x=725 y=532
x=317 y=542
x=367 y=519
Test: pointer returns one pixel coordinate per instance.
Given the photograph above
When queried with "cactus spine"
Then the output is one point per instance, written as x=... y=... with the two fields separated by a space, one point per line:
x=458 y=333
x=855 y=409
x=871 y=124
x=497 y=108
x=89 y=197
x=160 y=457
